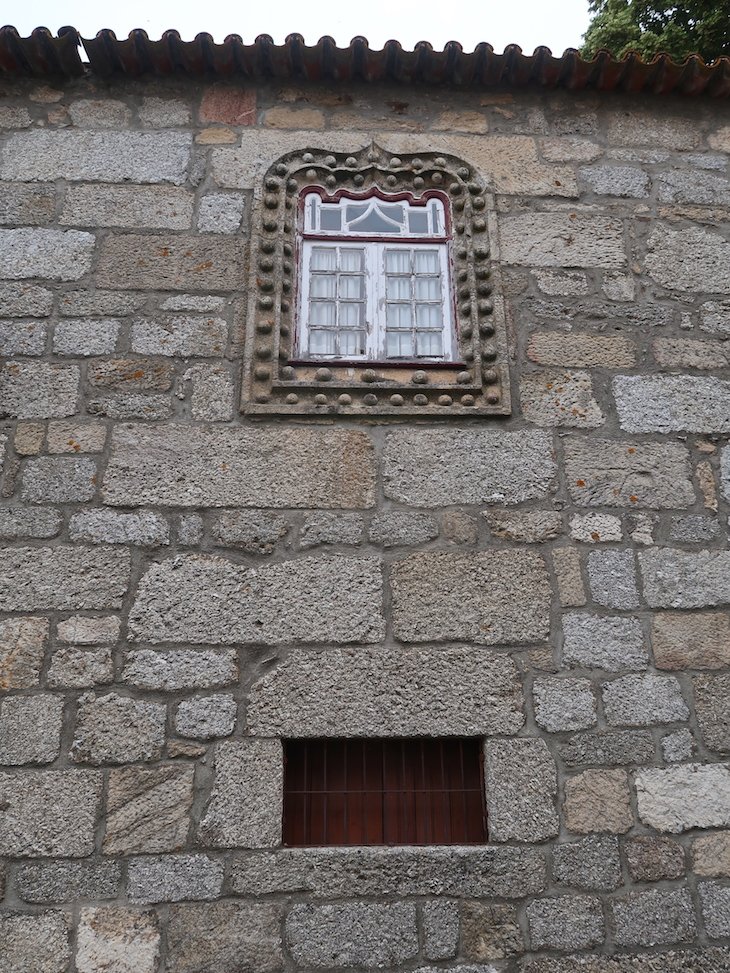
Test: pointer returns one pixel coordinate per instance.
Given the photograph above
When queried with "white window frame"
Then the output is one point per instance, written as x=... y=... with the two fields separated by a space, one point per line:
x=375 y=248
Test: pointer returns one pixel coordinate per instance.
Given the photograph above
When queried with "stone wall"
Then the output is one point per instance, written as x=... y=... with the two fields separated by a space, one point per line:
x=181 y=588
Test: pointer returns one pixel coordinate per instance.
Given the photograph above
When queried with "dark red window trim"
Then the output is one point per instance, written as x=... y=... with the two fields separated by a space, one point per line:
x=384 y=792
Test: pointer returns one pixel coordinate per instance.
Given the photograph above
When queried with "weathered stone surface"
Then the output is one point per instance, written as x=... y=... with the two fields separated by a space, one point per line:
x=59 y=479
x=263 y=467
x=82 y=630
x=565 y=922
x=715 y=899
x=187 y=336
x=590 y=863
x=606 y=473
x=566 y=563
x=22 y=338
x=206 y=717
x=412 y=692
x=30 y=729
x=654 y=917
x=560 y=398
x=595 y=528
x=352 y=934
x=116 y=729
x=138 y=374
x=694 y=529
x=711 y=855
x=213 y=391
x=175 y=669
x=676 y=799
x=48 y=812
x=557 y=240
x=490 y=931
x=567 y=283
x=222 y=936
x=50 y=254
x=68 y=881
x=643 y=700
x=678 y=746
x=649 y=128
x=174 y=878
x=598 y=800
x=130 y=405
x=63 y=578
x=712 y=703
x=22 y=645
x=24 y=205
x=689 y=259
x=123 y=940
x=608 y=748
x=36 y=390
x=529 y=526
x=440 y=467
x=396 y=527
x=488 y=597
x=440 y=929
x=331 y=528
x=170 y=262
x=153 y=207
x=142 y=527
x=626 y=181
x=652 y=858
x=253 y=531
x=245 y=807
x=76 y=436
x=97 y=156
x=612 y=577
x=704 y=960
x=163 y=112
x=221 y=212
x=477 y=871
x=37 y=943
x=86 y=336
x=563 y=704
x=596 y=641
x=680 y=579
x=669 y=403
x=581 y=350
x=148 y=809
x=272 y=604
x=684 y=353
x=521 y=783
x=24 y=300
x=98 y=303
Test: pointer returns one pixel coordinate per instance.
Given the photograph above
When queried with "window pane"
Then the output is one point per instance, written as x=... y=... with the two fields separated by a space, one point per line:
x=352 y=342
x=351 y=315
x=322 y=342
x=351 y=287
x=399 y=344
x=418 y=221
x=354 y=210
x=323 y=313
x=427 y=288
x=426 y=261
x=323 y=285
x=398 y=288
x=428 y=315
x=398 y=261
x=428 y=343
x=351 y=260
x=399 y=316
x=330 y=219
x=323 y=258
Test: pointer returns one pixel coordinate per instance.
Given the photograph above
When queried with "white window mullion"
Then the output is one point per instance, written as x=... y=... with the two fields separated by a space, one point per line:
x=375 y=295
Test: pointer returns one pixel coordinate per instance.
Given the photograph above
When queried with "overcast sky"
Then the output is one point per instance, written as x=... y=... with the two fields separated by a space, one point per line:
x=529 y=23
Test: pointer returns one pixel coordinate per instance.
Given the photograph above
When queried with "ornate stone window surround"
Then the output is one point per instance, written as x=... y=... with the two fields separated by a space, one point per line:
x=277 y=382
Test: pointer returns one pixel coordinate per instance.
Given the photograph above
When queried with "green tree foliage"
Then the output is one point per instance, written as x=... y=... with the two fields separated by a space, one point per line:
x=651 y=27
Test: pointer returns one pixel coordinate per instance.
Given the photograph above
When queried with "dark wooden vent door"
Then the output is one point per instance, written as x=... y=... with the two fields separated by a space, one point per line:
x=383 y=792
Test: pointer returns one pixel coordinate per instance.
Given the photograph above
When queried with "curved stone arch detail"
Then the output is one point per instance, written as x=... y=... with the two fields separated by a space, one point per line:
x=276 y=384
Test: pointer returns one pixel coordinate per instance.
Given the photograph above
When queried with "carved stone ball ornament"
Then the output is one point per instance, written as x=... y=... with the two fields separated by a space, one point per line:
x=280 y=381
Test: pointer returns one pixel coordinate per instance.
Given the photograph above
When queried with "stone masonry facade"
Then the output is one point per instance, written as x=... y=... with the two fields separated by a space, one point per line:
x=183 y=586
